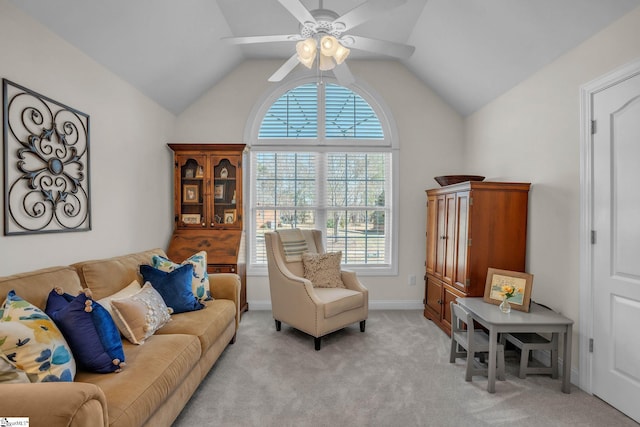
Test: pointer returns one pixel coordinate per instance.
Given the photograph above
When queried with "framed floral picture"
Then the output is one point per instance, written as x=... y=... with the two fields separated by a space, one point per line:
x=513 y=286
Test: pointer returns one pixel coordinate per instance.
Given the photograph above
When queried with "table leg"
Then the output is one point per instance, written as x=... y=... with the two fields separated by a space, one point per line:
x=493 y=350
x=566 y=360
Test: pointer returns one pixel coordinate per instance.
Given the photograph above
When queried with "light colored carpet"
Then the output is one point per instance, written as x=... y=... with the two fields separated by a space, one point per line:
x=397 y=373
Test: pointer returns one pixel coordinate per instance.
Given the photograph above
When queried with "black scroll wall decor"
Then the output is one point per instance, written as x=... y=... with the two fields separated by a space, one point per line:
x=46 y=164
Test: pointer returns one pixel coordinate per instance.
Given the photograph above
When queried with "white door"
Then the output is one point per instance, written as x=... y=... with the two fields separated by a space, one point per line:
x=616 y=253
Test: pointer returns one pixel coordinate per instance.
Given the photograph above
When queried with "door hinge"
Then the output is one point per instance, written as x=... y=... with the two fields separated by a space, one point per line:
x=467 y=282
x=590 y=345
x=594 y=127
x=470 y=201
x=176 y=165
x=469 y=242
x=593 y=237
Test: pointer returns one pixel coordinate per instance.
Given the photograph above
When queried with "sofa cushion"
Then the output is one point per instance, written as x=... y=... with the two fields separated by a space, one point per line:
x=89 y=329
x=107 y=276
x=200 y=280
x=30 y=340
x=154 y=371
x=34 y=286
x=175 y=287
x=338 y=300
x=323 y=270
x=207 y=324
x=140 y=315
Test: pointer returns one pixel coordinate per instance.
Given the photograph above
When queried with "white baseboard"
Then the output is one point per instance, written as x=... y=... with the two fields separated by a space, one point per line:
x=261 y=305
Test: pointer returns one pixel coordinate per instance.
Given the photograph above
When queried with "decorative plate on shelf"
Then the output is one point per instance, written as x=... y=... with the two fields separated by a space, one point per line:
x=456 y=179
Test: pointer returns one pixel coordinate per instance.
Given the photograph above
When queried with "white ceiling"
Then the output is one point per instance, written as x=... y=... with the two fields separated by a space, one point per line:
x=468 y=51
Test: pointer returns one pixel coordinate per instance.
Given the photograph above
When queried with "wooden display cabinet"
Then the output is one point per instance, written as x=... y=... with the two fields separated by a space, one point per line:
x=470 y=227
x=208 y=207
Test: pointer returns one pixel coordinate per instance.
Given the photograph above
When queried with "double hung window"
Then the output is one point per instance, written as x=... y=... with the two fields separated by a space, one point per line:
x=322 y=159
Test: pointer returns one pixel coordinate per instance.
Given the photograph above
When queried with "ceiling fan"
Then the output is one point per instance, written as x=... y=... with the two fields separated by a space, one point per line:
x=324 y=38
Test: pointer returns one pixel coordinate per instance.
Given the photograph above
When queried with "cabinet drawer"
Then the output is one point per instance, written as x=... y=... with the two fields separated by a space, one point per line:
x=222 y=268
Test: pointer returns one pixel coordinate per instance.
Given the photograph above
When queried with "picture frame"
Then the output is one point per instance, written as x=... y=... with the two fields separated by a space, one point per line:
x=191 y=218
x=190 y=193
x=498 y=279
x=188 y=173
x=229 y=216
x=218 y=192
x=200 y=171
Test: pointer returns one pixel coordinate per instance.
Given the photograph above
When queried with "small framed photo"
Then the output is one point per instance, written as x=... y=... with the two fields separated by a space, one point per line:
x=229 y=216
x=188 y=173
x=200 y=172
x=218 y=192
x=190 y=193
x=512 y=284
x=191 y=218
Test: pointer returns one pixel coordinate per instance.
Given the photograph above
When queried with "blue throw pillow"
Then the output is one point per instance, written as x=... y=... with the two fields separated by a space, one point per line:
x=89 y=329
x=174 y=287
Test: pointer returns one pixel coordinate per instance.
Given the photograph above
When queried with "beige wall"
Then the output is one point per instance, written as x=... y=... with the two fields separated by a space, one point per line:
x=532 y=134
x=130 y=166
x=430 y=138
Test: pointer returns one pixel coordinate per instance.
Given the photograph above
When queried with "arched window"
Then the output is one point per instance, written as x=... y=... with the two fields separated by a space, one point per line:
x=322 y=157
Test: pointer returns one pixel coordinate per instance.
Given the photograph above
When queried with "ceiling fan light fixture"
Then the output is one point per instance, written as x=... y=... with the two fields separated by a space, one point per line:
x=341 y=54
x=329 y=45
x=326 y=62
x=306 y=50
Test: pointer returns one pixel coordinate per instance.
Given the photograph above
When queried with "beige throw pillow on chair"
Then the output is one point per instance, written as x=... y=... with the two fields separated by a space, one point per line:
x=323 y=270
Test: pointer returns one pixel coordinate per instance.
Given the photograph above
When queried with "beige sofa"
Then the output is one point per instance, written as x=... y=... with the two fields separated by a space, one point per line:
x=160 y=376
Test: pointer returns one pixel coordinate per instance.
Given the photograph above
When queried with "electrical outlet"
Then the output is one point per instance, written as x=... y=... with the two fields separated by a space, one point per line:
x=412 y=280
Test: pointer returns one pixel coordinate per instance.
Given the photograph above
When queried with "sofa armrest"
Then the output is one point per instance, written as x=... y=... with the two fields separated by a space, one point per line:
x=226 y=286
x=56 y=404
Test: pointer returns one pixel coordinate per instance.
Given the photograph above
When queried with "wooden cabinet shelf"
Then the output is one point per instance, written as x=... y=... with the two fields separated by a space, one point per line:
x=470 y=227
x=208 y=207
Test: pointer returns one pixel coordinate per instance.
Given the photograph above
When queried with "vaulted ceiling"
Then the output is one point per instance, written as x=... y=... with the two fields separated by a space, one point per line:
x=468 y=51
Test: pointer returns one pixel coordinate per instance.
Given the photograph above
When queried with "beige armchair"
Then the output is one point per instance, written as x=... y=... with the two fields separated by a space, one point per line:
x=315 y=311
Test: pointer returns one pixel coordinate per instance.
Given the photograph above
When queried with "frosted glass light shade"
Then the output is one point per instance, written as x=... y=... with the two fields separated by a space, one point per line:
x=341 y=54
x=329 y=45
x=306 y=50
x=326 y=63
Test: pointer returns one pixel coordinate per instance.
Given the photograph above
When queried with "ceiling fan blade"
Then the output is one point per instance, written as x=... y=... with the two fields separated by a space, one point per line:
x=384 y=47
x=343 y=75
x=285 y=69
x=298 y=10
x=365 y=11
x=263 y=39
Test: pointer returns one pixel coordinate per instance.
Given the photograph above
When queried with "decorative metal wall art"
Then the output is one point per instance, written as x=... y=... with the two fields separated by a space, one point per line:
x=46 y=164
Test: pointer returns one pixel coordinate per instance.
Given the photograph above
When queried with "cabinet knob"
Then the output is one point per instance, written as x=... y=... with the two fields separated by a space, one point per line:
x=204 y=224
x=212 y=224
x=443 y=237
x=439 y=301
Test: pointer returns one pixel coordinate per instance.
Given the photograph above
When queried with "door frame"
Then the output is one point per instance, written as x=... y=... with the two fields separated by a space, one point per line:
x=587 y=91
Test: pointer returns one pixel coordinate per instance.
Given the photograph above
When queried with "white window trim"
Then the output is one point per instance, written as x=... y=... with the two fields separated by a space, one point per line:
x=385 y=117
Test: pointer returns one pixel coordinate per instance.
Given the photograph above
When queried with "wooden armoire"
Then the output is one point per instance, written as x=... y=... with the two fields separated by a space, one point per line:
x=471 y=226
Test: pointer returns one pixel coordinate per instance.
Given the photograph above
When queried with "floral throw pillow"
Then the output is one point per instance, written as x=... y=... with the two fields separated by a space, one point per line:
x=32 y=343
x=200 y=281
x=323 y=269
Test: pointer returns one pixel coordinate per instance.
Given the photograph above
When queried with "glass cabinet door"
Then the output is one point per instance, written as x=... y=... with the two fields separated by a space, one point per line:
x=225 y=197
x=191 y=192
